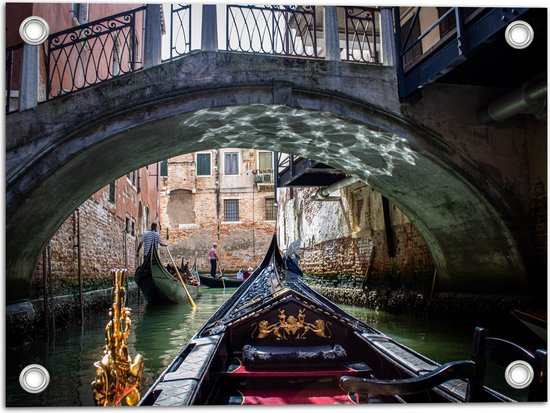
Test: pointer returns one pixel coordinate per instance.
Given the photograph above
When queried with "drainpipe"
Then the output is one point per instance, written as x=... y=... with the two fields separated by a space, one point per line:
x=323 y=193
x=523 y=100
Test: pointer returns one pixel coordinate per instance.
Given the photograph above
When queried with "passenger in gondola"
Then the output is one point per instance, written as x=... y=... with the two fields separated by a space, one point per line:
x=240 y=274
x=248 y=273
x=171 y=269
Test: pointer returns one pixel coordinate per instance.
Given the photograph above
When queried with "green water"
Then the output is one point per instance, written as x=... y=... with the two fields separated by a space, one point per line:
x=159 y=333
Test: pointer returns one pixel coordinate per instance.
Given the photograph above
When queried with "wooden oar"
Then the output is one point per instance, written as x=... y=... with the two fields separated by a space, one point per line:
x=221 y=272
x=181 y=280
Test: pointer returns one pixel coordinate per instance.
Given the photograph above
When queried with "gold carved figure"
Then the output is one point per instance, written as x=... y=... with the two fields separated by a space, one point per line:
x=117 y=377
x=291 y=327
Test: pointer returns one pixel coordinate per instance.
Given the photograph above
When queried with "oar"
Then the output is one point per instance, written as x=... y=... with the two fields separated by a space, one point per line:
x=181 y=280
x=221 y=272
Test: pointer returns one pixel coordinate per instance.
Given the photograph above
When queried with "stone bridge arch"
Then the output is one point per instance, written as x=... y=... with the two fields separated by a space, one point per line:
x=60 y=153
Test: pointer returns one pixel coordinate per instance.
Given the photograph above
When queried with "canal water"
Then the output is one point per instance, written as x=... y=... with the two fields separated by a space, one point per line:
x=159 y=333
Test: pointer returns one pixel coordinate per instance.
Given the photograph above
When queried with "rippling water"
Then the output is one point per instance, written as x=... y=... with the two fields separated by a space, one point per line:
x=160 y=332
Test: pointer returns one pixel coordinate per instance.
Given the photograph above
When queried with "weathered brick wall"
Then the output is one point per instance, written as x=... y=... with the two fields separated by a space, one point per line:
x=240 y=244
x=338 y=238
x=105 y=241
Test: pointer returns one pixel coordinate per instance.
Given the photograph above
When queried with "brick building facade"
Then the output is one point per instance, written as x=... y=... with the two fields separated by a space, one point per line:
x=111 y=222
x=223 y=196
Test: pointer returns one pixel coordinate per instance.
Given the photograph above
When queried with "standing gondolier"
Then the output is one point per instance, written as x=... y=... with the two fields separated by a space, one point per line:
x=213 y=255
x=147 y=240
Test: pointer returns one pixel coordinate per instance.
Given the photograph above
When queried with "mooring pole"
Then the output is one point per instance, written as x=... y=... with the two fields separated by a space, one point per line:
x=45 y=293
x=50 y=281
x=79 y=265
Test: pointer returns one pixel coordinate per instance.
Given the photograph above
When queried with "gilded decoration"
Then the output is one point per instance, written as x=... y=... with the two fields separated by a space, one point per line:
x=291 y=327
x=117 y=378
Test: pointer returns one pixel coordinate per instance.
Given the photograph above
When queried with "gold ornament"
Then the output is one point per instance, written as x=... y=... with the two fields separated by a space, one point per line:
x=291 y=327
x=117 y=378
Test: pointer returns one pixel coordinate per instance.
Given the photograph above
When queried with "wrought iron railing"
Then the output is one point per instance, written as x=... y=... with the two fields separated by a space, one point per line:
x=278 y=30
x=14 y=59
x=361 y=35
x=88 y=54
x=180 y=30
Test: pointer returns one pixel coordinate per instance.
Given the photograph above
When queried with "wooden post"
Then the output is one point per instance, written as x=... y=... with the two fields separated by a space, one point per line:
x=45 y=293
x=50 y=282
x=79 y=266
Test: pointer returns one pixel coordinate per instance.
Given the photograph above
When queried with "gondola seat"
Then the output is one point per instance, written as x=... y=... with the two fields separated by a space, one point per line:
x=280 y=357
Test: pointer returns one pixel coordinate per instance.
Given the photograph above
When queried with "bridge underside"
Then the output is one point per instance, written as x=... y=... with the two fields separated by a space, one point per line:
x=472 y=248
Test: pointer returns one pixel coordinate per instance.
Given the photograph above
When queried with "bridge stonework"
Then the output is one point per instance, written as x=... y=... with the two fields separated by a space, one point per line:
x=466 y=204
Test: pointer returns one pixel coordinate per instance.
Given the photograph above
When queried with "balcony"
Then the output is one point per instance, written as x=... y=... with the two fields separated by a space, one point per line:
x=298 y=171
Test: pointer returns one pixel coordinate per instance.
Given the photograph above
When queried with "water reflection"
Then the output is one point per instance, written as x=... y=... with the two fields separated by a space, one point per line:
x=160 y=332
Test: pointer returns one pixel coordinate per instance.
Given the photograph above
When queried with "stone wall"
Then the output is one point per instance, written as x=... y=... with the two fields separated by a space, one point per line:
x=347 y=236
x=109 y=233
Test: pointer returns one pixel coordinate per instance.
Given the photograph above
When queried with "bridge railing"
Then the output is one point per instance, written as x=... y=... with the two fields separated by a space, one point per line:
x=91 y=53
x=117 y=45
x=276 y=30
x=180 y=30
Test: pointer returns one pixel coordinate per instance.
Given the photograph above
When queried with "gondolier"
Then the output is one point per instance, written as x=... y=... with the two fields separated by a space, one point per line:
x=147 y=240
x=213 y=255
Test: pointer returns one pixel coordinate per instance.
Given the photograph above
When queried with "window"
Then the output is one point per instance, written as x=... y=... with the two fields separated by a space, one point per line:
x=265 y=160
x=203 y=164
x=138 y=174
x=112 y=188
x=231 y=163
x=270 y=210
x=164 y=168
x=231 y=210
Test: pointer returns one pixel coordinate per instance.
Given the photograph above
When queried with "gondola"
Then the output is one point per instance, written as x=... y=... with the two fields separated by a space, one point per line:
x=222 y=282
x=276 y=341
x=158 y=285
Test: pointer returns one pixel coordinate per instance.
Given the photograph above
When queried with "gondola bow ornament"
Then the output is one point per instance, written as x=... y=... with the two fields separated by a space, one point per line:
x=117 y=378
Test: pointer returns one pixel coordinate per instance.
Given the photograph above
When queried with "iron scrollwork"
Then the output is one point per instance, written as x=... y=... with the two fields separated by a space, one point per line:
x=88 y=54
x=361 y=35
x=277 y=30
x=180 y=30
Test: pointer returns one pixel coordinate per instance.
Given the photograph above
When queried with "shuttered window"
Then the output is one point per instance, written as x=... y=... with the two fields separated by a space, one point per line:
x=203 y=164
x=265 y=160
x=231 y=209
x=231 y=163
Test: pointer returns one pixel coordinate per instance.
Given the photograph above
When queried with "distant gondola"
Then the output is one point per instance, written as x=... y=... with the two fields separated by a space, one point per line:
x=221 y=282
x=276 y=341
x=158 y=285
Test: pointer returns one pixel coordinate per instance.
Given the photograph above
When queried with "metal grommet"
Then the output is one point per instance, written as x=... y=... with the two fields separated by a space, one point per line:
x=34 y=378
x=519 y=34
x=34 y=30
x=519 y=374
